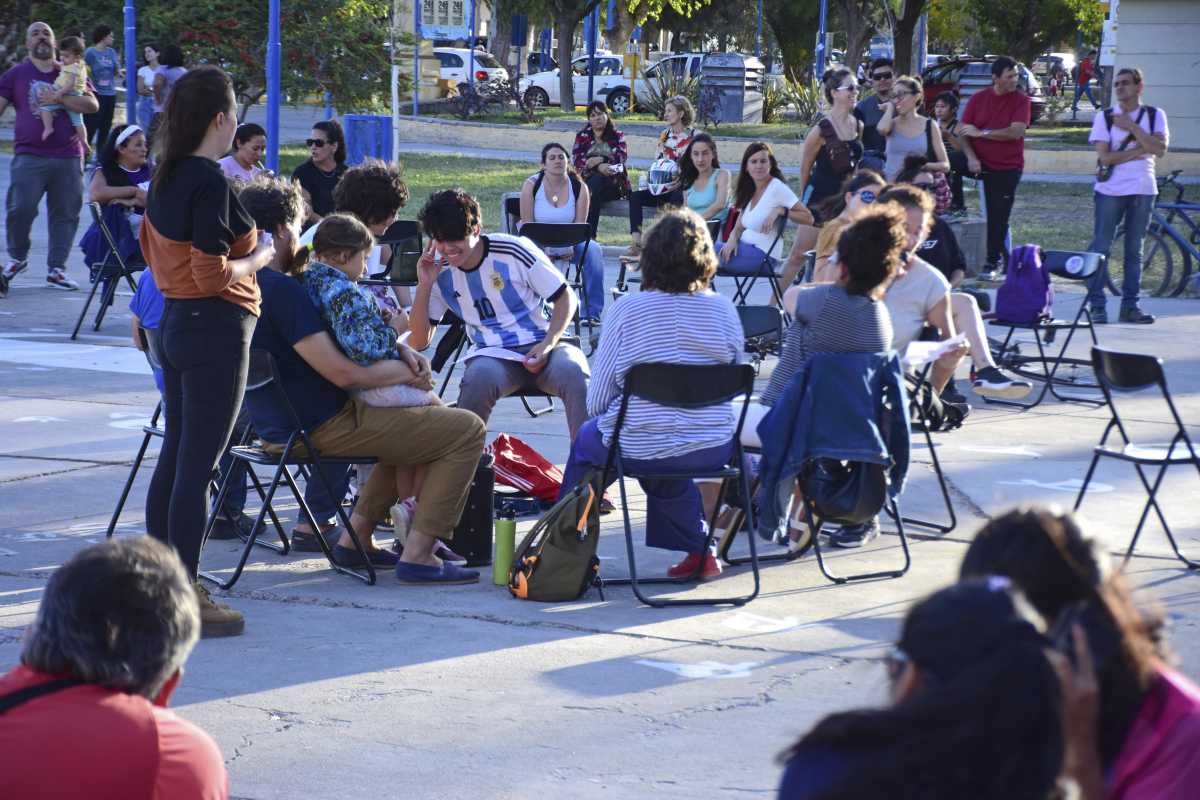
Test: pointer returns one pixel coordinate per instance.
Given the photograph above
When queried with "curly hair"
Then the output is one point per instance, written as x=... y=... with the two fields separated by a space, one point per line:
x=272 y=203
x=871 y=249
x=374 y=191
x=677 y=254
x=450 y=215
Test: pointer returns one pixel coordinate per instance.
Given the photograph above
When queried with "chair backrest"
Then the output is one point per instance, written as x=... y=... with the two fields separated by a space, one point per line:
x=714 y=229
x=510 y=211
x=405 y=239
x=1075 y=265
x=1127 y=372
x=557 y=234
x=810 y=266
x=760 y=321
x=113 y=251
x=689 y=385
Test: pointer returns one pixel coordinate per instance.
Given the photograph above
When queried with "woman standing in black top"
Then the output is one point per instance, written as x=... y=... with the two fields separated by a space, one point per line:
x=203 y=250
x=325 y=167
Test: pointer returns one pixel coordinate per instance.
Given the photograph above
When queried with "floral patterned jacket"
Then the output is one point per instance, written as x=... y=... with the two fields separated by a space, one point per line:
x=350 y=311
x=616 y=151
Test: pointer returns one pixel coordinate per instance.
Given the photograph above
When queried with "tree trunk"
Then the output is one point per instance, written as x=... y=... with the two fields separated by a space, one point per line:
x=906 y=26
x=859 y=22
x=618 y=37
x=499 y=39
x=564 y=29
x=792 y=24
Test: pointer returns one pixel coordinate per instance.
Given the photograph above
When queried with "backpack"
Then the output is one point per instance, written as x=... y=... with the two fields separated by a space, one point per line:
x=1026 y=296
x=939 y=415
x=556 y=561
x=841 y=158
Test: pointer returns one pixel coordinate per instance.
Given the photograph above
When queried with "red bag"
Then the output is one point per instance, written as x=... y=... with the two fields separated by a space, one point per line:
x=520 y=466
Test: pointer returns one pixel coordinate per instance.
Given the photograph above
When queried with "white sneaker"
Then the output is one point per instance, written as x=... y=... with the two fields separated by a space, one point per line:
x=14 y=268
x=57 y=279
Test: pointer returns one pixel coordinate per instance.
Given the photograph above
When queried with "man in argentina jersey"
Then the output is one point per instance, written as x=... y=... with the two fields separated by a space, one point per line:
x=499 y=286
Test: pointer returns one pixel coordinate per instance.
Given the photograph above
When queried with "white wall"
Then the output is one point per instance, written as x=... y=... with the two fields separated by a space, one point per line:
x=1163 y=38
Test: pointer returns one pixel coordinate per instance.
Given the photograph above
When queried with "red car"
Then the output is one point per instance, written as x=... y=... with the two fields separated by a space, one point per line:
x=965 y=76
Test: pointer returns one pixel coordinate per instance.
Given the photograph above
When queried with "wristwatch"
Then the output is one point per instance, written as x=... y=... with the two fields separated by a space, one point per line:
x=983 y=133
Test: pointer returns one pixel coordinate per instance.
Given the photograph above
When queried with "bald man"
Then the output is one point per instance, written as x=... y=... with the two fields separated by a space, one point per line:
x=52 y=167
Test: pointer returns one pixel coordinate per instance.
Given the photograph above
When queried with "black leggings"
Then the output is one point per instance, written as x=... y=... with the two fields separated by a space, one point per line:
x=602 y=190
x=99 y=124
x=205 y=351
x=1000 y=192
x=958 y=168
x=642 y=198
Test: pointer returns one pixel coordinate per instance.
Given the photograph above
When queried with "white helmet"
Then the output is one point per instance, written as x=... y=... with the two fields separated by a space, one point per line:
x=663 y=173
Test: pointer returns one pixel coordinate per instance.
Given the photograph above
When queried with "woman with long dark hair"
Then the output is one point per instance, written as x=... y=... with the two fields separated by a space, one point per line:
x=704 y=181
x=599 y=155
x=326 y=165
x=1147 y=731
x=974 y=712
x=203 y=250
x=762 y=196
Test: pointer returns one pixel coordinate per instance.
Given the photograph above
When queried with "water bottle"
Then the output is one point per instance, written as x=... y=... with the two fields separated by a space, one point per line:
x=506 y=541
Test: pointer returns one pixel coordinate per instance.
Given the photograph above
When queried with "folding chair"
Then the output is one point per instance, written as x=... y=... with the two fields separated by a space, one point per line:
x=684 y=386
x=922 y=425
x=548 y=235
x=1129 y=373
x=453 y=345
x=109 y=272
x=763 y=328
x=404 y=237
x=810 y=267
x=297 y=451
x=744 y=283
x=1068 y=265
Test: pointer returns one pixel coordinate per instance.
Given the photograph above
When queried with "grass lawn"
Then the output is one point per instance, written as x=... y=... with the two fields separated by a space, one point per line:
x=1054 y=215
x=778 y=131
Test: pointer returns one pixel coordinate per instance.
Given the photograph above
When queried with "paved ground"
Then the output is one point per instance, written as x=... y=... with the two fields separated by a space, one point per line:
x=339 y=690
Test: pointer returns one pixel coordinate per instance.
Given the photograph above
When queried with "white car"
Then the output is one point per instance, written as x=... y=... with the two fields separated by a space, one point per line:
x=609 y=84
x=456 y=63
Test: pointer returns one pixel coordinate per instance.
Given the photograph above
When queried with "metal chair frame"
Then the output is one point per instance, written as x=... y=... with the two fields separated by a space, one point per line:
x=744 y=284
x=1128 y=373
x=683 y=386
x=397 y=233
x=110 y=272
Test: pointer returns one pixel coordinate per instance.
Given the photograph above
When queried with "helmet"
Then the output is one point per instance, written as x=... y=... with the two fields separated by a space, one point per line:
x=663 y=173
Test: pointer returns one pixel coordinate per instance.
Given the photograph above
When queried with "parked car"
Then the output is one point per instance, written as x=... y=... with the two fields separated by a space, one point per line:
x=456 y=62
x=533 y=63
x=610 y=83
x=965 y=76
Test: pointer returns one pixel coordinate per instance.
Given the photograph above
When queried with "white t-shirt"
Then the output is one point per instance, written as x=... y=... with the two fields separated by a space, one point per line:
x=1136 y=176
x=501 y=300
x=146 y=73
x=777 y=194
x=909 y=300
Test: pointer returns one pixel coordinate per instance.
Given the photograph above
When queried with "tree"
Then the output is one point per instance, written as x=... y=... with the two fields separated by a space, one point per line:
x=904 y=25
x=1026 y=28
x=860 y=19
x=793 y=23
x=952 y=26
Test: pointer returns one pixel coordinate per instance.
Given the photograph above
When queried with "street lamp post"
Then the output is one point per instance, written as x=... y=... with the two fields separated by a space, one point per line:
x=820 y=65
x=273 y=86
x=131 y=95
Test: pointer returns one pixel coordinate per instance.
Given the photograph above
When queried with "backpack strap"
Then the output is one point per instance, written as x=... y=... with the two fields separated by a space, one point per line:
x=541 y=175
x=930 y=155
x=1108 y=119
x=828 y=132
x=21 y=696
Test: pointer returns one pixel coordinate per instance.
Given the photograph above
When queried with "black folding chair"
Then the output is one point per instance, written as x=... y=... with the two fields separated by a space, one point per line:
x=684 y=386
x=810 y=267
x=1126 y=374
x=925 y=428
x=744 y=283
x=450 y=350
x=550 y=235
x=297 y=451
x=404 y=237
x=1070 y=265
x=108 y=272
x=762 y=327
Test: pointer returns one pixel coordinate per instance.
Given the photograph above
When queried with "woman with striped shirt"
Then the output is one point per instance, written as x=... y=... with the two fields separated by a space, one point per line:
x=676 y=318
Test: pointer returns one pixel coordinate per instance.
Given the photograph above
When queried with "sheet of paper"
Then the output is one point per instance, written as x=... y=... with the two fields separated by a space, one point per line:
x=501 y=353
x=919 y=354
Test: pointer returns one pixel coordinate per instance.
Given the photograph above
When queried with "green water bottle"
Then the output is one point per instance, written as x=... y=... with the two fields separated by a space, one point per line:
x=506 y=540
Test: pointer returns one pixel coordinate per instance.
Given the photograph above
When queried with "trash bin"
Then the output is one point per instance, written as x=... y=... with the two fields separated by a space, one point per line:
x=367 y=136
x=734 y=83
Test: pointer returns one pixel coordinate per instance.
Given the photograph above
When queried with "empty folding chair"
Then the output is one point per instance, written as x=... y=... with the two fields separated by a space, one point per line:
x=763 y=329
x=683 y=386
x=1121 y=374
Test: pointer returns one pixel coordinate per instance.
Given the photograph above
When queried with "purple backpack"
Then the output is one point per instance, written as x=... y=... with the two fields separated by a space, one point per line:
x=1026 y=295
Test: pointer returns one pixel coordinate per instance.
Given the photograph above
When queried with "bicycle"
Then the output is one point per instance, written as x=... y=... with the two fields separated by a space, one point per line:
x=1159 y=259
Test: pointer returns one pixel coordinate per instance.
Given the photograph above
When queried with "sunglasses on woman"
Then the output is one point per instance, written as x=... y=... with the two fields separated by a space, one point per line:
x=867 y=196
x=316 y=142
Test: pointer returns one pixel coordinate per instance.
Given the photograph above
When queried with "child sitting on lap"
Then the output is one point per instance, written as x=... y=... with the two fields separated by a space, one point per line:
x=340 y=250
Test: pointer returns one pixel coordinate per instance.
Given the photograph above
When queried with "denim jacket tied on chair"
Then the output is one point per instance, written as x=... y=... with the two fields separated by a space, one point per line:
x=847 y=406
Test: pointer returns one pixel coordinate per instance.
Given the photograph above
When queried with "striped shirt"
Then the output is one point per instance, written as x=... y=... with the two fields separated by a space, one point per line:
x=501 y=300
x=828 y=320
x=653 y=326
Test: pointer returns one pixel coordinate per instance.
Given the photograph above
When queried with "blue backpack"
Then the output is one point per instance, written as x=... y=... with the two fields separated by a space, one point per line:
x=1026 y=295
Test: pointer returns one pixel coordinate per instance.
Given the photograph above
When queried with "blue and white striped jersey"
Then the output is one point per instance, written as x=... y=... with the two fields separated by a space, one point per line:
x=501 y=300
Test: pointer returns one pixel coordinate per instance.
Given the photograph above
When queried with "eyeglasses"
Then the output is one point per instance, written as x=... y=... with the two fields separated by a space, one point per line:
x=867 y=196
x=316 y=142
x=851 y=88
x=882 y=76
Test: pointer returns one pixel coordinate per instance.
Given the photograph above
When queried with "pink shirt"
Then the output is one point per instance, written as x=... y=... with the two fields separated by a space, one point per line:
x=1161 y=756
x=1136 y=176
x=235 y=171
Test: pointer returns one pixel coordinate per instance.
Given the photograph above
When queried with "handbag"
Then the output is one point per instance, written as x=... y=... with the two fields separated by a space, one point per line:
x=520 y=466
x=844 y=492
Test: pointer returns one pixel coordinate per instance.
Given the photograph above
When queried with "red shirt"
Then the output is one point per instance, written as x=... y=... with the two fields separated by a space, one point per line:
x=1085 y=71
x=989 y=111
x=88 y=741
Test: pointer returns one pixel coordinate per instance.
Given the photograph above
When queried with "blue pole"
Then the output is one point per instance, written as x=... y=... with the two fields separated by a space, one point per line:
x=610 y=18
x=416 y=87
x=471 y=58
x=593 y=31
x=820 y=65
x=329 y=105
x=758 y=35
x=273 y=52
x=131 y=95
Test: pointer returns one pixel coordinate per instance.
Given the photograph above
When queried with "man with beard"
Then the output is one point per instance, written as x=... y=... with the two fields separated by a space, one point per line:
x=52 y=167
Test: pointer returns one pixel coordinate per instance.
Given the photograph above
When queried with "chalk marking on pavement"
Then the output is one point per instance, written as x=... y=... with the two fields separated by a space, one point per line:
x=756 y=623
x=705 y=669
x=34 y=369
x=1000 y=450
x=1071 y=485
x=285 y=584
x=39 y=419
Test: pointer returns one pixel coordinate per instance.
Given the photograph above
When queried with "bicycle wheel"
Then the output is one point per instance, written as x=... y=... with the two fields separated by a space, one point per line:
x=1186 y=265
x=1158 y=263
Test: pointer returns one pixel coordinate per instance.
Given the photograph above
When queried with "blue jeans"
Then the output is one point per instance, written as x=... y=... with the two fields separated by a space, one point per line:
x=674 y=513
x=1135 y=209
x=593 y=278
x=1083 y=89
x=747 y=261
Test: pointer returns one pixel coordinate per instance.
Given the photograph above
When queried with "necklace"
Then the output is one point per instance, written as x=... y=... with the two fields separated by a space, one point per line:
x=554 y=195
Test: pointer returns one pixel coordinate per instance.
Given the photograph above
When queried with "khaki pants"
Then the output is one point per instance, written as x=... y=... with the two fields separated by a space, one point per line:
x=448 y=441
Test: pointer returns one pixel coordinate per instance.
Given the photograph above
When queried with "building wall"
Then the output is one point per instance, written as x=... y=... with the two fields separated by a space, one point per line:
x=1163 y=38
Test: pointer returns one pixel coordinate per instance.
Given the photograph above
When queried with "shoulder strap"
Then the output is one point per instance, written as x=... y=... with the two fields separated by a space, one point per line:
x=828 y=132
x=537 y=183
x=13 y=699
x=575 y=184
x=1108 y=119
x=1153 y=112
x=929 y=151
